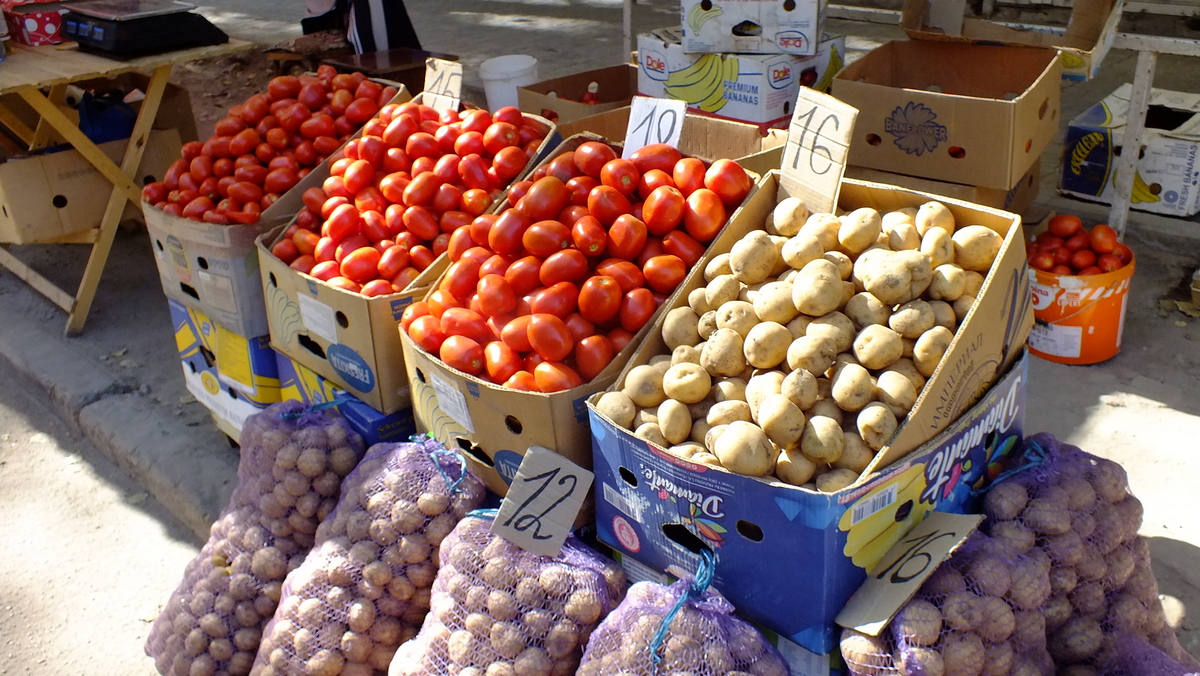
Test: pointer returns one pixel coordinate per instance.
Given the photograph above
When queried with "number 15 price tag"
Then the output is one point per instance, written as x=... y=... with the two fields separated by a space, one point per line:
x=542 y=502
x=814 y=159
x=653 y=121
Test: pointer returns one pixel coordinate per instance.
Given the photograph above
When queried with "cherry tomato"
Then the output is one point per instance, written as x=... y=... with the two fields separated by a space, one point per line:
x=600 y=299
x=592 y=355
x=567 y=265
x=658 y=156
x=500 y=361
x=729 y=180
x=560 y=300
x=1103 y=239
x=703 y=215
x=626 y=237
x=545 y=238
x=664 y=273
x=1065 y=225
x=549 y=337
x=637 y=306
x=552 y=376
x=545 y=199
x=606 y=203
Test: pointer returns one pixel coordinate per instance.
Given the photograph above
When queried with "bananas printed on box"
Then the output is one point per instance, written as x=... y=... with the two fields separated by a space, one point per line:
x=835 y=64
x=702 y=84
x=891 y=510
x=1143 y=193
x=698 y=16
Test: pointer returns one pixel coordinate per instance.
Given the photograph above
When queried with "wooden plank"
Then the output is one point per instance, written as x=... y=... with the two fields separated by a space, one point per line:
x=14 y=124
x=84 y=237
x=44 y=134
x=1135 y=123
x=32 y=278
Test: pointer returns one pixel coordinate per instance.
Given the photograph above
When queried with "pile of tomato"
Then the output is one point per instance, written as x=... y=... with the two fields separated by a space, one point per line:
x=266 y=145
x=1067 y=248
x=543 y=296
x=388 y=207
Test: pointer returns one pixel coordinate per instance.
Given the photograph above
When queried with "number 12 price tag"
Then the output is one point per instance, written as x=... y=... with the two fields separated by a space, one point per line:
x=542 y=502
x=653 y=121
x=814 y=159
x=443 y=84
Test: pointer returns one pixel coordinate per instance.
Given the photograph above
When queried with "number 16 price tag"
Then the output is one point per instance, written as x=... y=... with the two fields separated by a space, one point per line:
x=814 y=159
x=542 y=502
x=653 y=121
x=443 y=84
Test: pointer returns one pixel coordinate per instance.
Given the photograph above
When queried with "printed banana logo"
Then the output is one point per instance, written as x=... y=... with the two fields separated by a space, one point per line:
x=702 y=84
x=698 y=16
x=873 y=535
x=288 y=313
x=1142 y=192
x=1070 y=60
x=835 y=64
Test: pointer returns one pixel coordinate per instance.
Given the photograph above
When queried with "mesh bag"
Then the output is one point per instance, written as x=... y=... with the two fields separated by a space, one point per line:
x=1076 y=509
x=498 y=610
x=365 y=587
x=1135 y=657
x=289 y=476
x=978 y=614
x=683 y=628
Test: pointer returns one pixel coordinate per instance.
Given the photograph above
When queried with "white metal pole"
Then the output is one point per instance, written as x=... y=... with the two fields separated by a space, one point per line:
x=627 y=27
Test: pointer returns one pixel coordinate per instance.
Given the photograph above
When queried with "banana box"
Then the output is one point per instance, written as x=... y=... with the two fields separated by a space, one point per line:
x=302 y=384
x=751 y=26
x=755 y=88
x=1167 y=176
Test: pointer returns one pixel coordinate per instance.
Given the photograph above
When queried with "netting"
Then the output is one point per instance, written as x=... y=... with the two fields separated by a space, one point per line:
x=498 y=610
x=365 y=588
x=1135 y=657
x=289 y=477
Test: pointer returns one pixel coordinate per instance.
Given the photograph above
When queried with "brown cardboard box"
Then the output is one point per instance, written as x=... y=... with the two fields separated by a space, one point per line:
x=617 y=85
x=984 y=121
x=1016 y=199
x=1084 y=43
x=705 y=137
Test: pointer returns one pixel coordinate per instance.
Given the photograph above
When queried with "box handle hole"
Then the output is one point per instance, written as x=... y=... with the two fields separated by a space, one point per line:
x=513 y=424
x=706 y=5
x=903 y=511
x=341 y=320
x=420 y=376
x=311 y=345
x=209 y=357
x=751 y=531
x=628 y=477
x=148 y=179
x=202 y=262
x=475 y=451
x=59 y=201
x=191 y=367
x=957 y=152
x=873 y=139
x=1043 y=108
x=189 y=290
x=271 y=278
x=680 y=535
x=789 y=5
x=158 y=243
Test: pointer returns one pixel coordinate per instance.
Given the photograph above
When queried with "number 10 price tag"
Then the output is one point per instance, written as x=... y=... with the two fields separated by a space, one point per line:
x=443 y=84
x=814 y=159
x=542 y=502
x=653 y=121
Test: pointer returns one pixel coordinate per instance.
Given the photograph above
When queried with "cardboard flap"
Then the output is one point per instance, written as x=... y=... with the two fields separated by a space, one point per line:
x=946 y=15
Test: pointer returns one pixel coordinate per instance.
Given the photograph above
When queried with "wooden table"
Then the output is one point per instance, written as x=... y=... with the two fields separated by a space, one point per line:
x=28 y=70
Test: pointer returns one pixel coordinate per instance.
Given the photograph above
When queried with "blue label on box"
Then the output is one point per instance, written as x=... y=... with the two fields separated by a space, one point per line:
x=350 y=366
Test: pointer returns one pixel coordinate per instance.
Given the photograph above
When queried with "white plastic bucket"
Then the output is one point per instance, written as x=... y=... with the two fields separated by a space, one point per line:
x=503 y=74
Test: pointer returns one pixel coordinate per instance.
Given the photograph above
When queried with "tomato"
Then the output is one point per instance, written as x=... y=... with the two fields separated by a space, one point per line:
x=679 y=243
x=510 y=114
x=652 y=248
x=325 y=250
x=590 y=158
x=510 y=162
x=420 y=145
x=560 y=300
x=494 y=265
x=496 y=295
x=462 y=353
x=343 y=222
x=460 y=241
x=600 y=299
x=500 y=135
x=549 y=337
x=283 y=87
x=244 y=142
x=552 y=376
x=1123 y=253
x=518 y=190
x=637 y=306
x=243 y=191
x=201 y=167
x=292 y=117
x=228 y=126
x=606 y=204
x=280 y=180
x=1109 y=262
x=622 y=175
x=361 y=265
x=190 y=151
x=580 y=187
x=412 y=312
x=460 y=321
x=658 y=156
x=440 y=301
x=652 y=180
x=469 y=143
x=475 y=201
x=396 y=133
x=545 y=199
x=1062 y=255
x=392 y=186
x=1065 y=225
x=567 y=265
x=377 y=287
x=507 y=232
x=515 y=333
x=480 y=228
x=524 y=274
x=545 y=238
x=500 y=361
x=446 y=197
x=314 y=199
x=392 y=261
x=421 y=189
x=703 y=215
x=1042 y=261
x=345 y=284
x=196 y=207
x=1076 y=242
x=562 y=167
x=664 y=273
x=1062 y=270
x=155 y=192
x=1093 y=270
x=688 y=175
x=729 y=180
x=628 y=275
x=592 y=355
x=462 y=278
x=286 y=250
x=426 y=332
x=473 y=169
x=1103 y=239
x=263 y=152
x=579 y=327
x=1084 y=258
x=589 y=236
x=626 y=237
x=172 y=209
x=361 y=110
x=306 y=241
x=663 y=210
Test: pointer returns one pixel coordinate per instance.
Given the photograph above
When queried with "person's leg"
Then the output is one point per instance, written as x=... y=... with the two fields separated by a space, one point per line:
x=378 y=25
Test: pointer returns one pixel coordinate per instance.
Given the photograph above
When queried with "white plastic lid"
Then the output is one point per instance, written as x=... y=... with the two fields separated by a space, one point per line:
x=507 y=67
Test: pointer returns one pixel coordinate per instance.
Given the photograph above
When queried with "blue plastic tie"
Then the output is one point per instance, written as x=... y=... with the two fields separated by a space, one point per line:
x=332 y=403
x=699 y=584
x=442 y=452
x=1035 y=455
x=489 y=513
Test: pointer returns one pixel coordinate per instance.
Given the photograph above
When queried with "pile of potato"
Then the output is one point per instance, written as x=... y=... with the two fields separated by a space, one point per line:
x=498 y=610
x=289 y=478
x=810 y=342
x=979 y=614
x=704 y=639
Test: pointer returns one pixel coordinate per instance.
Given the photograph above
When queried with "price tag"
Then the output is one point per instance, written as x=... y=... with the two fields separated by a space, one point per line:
x=907 y=565
x=542 y=502
x=814 y=159
x=443 y=84
x=653 y=121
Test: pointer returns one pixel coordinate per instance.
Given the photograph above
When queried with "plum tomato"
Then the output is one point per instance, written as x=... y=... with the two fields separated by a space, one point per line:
x=622 y=175
x=592 y=355
x=590 y=158
x=1065 y=225
x=600 y=299
x=549 y=337
x=703 y=215
x=637 y=307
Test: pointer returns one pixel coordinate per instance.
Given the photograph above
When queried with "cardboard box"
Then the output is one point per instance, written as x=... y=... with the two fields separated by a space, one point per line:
x=1167 y=172
x=751 y=26
x=984 y=122
x=298 y=383
x=36 y=24
x=756 y=89
x=1084 y=42
x=708 y=138
x=1016 y=199
x=616 y=85
x=659 y=508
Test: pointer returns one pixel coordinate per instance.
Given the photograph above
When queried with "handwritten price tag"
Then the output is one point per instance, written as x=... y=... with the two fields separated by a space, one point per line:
x=542 y=502
x=653 y=121
x=814 y=159
x=443 y=84
x=904 y=569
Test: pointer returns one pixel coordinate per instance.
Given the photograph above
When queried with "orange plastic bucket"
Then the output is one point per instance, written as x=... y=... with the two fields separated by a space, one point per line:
x=1079 y=320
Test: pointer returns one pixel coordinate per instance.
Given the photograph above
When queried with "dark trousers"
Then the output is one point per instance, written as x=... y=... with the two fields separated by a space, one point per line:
x=371 y=25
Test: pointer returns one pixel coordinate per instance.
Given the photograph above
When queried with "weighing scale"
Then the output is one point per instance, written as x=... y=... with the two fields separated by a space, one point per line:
x=137 y=27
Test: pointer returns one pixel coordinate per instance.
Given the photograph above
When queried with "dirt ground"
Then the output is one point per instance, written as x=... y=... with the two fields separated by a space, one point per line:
x=216 y=85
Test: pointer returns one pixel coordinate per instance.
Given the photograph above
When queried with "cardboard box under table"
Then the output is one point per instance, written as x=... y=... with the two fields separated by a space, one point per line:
x=984 y=122
x=616 y=85
x=658 y=508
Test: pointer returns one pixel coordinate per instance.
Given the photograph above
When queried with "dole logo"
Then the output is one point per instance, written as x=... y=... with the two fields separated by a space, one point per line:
x=780 y=74
x=792 y=41
x=655 y=65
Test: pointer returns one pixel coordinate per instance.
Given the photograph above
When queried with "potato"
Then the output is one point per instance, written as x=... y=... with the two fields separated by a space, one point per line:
x=687 y=383
x=726 y=412
x=800 y=250
x=685 y=354
x=644 y=416
x=792 y=467
x=817 y=290
x=906 y=368
x=759 y=387
x=896 y=392
x=938 y=246
x=835 y=480
x=933 y=215
x=737 y=315
x=876 y=425
x=929 y=349
x=706 y=326
x=723 y=353
x=1078 y=639
x=845 y=265
x=698 y=301
x=719 y=265
x=822 y=440
x=727 y=389
x=855 y=454
x=897 y=277
x=789 y=216
x=800 y=387
x=835 y=326
x=651 y=432
x=767 y=345
x=781 y=420
x=745 y=449
x=975 y=247
x=878 y=347
x=674 y=421
x=827 y=408
x=721 y=290
x=973 y=283
x=852 y=388
x=859 y=230
x=963 y=655
x=998 y=622
x=753 y=257
x=799 y=326
x=864 y=310
x=773 y=303
x=824 y=228
x=912 y=319
x=679 y=327
x=865 y=655
x=644 y=386
x=660 y=362
x=943 y=314
x=903 y=237
x=811 y=353
x=1012 y=533
x=919 y=622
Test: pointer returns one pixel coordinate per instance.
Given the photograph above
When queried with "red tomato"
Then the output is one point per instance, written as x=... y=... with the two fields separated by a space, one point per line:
x=653 y=179
x=350 y=244
x=679 y=243
x=622 y=175
x=480 y=228
x=196 y=207
x=522 y=381
x=345 y=284
x=549 y=337
x=244 y=142
x=1077 y=242
x=1062 y=270
x=500 y=361
x=462 y=353
x=460 y=321
x=447 y=196
x=567 y=265
x=589 y=236
x=496 y=295
x=494 y=265
x=361 y=110
x=606 y=203
x=653 y=248
x=524 y=274
x=421 y=257
x=397 y=132
x=509 y=162
x=729 y=180
x=325 y=270
x=559 y=300
x=580 y=187
x=579 y=327
x=507 y=232
x=1084 y=258
x=420 y=145
x=1109 y=262
x=545 y=199
x=552 y=376
x=155 y=192
x=562 y=167
x=286 y=250
x=600 y=299
x=243 y=191
x=572 y=214
x=626 y=237
x=440 y=301
x=637 y=306
x=500 y=135
x=591 y=157
x=703 y=215
x=343 y=222
x=461 y=278
x=460 y=241
x=663 y=210
x=1065 y=225
x=518 y=190
x=421 y=222
x=688 y=175
x=664 y=273
x=358 y=175
x=469 y=143
x=1093 y=270
x=392 y=186
x=361 y=265
x=1103 y=239
x=280 y=181
x=1062 y=255
x=422 y=188
x=515 y=333
x=628 y=275
x=592 y=355
x=1123 y=253
x=377 y=287
x=475 y=201
x=1042 y=261
x=510 y=114
x=473 y=170
x=545 y=238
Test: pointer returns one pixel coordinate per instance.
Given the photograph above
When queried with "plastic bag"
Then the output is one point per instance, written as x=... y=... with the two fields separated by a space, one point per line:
x=289 y=477
x=364 y=589
x=702 y=638
x=978 y=614
x=498 y=610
